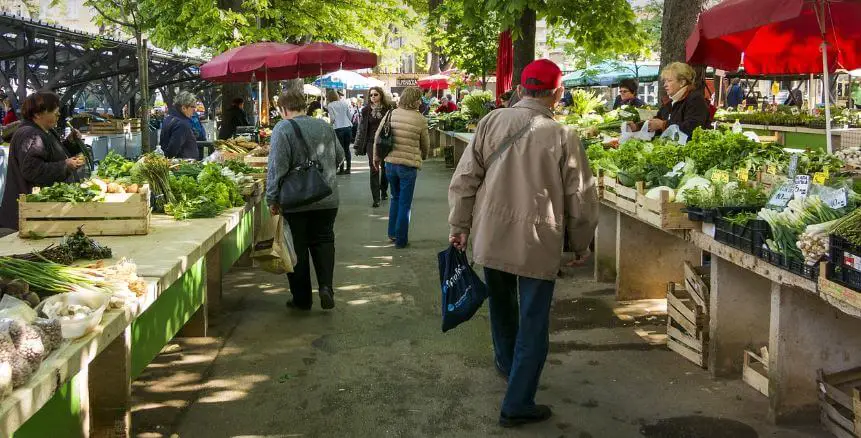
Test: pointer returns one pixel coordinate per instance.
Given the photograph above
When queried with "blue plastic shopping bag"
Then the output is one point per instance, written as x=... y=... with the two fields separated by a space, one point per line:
x=462 y=291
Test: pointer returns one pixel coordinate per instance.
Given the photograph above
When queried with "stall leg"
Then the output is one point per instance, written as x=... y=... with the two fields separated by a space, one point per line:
x=806 y=334
x=110 y=389
x=647 y=259
x=605 y=245
x=199 y=322
x=738 y=316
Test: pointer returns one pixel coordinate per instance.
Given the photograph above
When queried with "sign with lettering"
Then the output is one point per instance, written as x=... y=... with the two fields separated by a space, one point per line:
x=802 y=186
x=782 y=196
x=406 y=82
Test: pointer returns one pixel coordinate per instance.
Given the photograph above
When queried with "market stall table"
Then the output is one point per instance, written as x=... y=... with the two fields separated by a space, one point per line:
x=182 y=263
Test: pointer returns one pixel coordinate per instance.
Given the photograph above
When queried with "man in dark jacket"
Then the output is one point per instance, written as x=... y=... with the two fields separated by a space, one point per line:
x=177 y=136
x=235 y=116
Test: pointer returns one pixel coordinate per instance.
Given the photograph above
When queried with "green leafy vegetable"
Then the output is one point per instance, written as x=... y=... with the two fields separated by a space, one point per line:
x=66 y=192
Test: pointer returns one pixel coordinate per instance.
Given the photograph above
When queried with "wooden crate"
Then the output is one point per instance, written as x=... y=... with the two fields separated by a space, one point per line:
x=836 y=293
x=755 y=371
x=109 y=127
x=697 y=280
x=256 y=161
x=608 y=193
x=840 y=402
x=121 y=214
x=662 y=213
x=626 y=198
x=687 y=326
x=132 y=125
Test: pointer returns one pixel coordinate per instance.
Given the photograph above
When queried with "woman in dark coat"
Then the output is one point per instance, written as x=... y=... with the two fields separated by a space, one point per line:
x=37 y=155
x=177 y=135
x=687 y=106
x=379 y=104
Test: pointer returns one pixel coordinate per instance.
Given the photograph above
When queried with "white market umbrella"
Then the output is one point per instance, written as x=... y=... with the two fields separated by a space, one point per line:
x=347 y=79
x=311 y=90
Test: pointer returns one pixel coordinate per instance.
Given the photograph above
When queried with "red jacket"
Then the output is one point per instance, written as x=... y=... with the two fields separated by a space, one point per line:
x=449 y=107
x=9 y=117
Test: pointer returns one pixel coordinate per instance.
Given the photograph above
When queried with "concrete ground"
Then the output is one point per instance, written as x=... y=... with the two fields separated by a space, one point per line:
x=379 y=365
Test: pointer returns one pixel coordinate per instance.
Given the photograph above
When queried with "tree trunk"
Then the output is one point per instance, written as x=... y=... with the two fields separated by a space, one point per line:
x=524 y=47
x=434 y=66
x=143 y=81
x=680 y=17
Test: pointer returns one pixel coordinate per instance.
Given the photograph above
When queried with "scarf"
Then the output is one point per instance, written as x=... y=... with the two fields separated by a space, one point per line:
x=680 y=95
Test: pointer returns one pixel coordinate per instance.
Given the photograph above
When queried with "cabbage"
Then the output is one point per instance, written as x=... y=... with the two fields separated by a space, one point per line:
x=655 y=193
x=691 y=183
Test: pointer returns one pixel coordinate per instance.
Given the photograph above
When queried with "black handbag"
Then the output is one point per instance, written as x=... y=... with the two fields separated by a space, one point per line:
x=386 y=142
x=304 y=183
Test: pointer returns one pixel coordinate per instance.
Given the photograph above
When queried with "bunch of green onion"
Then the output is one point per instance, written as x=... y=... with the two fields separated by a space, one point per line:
x=51 y=277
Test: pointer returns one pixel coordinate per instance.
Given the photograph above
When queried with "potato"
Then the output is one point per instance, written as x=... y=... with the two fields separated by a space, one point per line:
x=133 y=188
x=114 y=188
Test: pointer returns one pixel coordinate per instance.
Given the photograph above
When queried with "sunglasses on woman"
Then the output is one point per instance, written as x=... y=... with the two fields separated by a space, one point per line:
x=375 y=95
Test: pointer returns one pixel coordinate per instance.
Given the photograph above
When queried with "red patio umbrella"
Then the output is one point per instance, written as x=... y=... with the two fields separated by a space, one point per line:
x=240 y=64
x=319 y=58
x=780 y=37
x=435 y=82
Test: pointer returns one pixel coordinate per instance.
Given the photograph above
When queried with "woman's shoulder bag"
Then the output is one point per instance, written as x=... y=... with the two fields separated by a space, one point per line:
x=386 y=142
x=304 y=183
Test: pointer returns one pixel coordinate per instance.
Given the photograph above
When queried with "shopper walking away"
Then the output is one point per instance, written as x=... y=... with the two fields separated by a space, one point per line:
x=369 y=121
x=519 y=183
x=295 y=140
x=234 y=117
x=177 y=136
x=409 y=130
x=341 y=117
x=37 y=155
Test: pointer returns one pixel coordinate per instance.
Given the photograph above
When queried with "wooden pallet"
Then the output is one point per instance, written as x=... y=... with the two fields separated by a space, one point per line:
x=662 y=213
x=840 y=402
x=697 y=280
x=755 y=371
x=256 y=161
x=626 y=198
x=687 y=326
x=121 y=214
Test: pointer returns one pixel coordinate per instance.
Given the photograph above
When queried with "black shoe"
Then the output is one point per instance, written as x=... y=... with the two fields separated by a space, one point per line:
x=347 y=172
x=327 y=298
x=384 y=197
x=340 y=172
x=376 y=204
x=294 y=306
x=537 y=414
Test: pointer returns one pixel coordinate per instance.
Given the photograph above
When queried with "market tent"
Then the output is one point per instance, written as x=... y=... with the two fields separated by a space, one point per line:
x=319 y=58
x=435 y=82
x=311 y=90
x=780 y=37
x=241 y=64
x=611 y=73
x=349 y=80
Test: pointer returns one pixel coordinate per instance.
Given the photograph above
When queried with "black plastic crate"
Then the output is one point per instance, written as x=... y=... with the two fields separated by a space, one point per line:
x=843 y=276
x=749 y=237
x=844 y=254
x=794 y=266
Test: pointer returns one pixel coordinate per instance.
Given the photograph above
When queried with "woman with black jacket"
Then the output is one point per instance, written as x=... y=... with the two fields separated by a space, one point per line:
x=687 y=107
x=372 y=115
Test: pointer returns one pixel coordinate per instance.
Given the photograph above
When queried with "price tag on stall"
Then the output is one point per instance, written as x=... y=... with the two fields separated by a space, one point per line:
x=835 y=199
x=743 y=175
x=720 y=176
x=820 y=177
x=771 y=169
x=782 y=196
x=802 y=186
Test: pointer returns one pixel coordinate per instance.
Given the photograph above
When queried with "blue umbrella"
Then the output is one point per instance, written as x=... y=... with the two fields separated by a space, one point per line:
x=346 y=79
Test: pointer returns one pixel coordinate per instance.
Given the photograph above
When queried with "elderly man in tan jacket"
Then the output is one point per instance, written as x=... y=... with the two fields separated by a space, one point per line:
x=521 y=181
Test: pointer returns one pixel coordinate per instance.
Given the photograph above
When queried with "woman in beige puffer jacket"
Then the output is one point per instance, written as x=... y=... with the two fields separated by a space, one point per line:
x=410 y=148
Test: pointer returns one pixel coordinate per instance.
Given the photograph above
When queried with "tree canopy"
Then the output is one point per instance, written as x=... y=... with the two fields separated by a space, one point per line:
x=470 y=44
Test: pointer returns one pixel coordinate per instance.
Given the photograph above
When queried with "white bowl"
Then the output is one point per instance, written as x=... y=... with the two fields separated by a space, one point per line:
x=73 y=329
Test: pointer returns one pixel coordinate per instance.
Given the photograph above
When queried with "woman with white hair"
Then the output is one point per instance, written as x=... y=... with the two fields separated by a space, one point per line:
x=687 y=107
x=177 y=136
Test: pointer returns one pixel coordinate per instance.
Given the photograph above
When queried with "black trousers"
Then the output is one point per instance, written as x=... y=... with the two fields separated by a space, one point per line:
x=344 y=135
x=313 y=238
x=379 y=182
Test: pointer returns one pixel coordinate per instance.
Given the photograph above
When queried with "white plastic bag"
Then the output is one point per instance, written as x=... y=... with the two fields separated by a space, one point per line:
x=675 y=134
x=642 y=134
x=752 y=136
x=736 y=127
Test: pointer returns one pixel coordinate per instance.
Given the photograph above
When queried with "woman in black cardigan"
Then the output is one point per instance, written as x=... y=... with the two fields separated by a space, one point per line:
x=379 y=104
x=687 y=107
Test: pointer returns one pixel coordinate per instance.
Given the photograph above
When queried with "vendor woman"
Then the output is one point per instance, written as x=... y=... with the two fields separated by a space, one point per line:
x=687 y=106
x=37 y=156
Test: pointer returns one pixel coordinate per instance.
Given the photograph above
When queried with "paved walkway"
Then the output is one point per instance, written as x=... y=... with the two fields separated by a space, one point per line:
x=379 y=366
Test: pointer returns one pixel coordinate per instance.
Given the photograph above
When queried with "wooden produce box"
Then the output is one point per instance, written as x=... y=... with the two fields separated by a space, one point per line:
x=840 y=402
x=256 y=161
x=132 y=125
x=608 y=191
x=697 y=280
x=626 y=198
x=662 y=213
x=755 y=370
x=836 y=293
x=121 y=214
x=687 y=326
x=106 y=128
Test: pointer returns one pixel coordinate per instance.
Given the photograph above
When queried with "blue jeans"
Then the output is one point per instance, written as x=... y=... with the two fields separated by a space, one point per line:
x=402 y=181
x=521 y=333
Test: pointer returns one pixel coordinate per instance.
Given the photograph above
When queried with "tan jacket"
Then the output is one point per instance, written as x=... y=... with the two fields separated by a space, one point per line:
x=517 y=209
x=412 y=141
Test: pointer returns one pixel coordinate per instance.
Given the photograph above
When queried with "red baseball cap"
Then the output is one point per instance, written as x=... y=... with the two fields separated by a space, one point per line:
x=541 y=74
